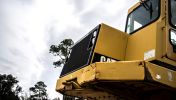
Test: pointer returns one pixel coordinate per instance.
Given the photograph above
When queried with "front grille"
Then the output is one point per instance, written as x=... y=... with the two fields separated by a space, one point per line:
x=81 y=54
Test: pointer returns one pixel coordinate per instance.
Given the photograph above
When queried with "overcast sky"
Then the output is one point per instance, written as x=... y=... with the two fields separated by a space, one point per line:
x=29 y=27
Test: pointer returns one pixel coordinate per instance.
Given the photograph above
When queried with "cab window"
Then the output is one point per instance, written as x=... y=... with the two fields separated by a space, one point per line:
x=173 y=12
x=145 y=14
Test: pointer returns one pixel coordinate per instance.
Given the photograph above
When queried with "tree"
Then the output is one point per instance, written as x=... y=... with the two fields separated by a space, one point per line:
x=9 y=89
x=38 y=92
x=62 y=50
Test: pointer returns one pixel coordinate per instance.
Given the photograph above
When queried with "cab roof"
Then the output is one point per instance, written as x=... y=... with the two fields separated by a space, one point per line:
x=133 y=7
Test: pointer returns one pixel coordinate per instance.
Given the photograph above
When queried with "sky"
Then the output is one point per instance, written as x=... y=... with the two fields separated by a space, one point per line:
x=29 y=27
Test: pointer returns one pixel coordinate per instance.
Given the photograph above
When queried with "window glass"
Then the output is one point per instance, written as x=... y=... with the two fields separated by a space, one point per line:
x=143 y=15
x=173 y=12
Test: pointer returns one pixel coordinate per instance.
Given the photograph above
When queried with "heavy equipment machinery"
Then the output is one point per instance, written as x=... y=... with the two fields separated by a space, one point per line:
x=138 y=64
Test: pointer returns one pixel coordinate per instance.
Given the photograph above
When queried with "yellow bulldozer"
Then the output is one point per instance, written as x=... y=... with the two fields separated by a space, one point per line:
x=138 y=64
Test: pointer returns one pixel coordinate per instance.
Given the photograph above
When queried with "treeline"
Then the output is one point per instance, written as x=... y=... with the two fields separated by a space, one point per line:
x=10 y=90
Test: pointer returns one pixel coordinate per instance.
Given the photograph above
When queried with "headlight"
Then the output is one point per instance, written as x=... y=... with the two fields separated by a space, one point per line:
x=173 y=37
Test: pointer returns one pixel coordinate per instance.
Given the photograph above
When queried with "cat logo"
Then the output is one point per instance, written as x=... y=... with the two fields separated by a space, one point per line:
x=106 y=59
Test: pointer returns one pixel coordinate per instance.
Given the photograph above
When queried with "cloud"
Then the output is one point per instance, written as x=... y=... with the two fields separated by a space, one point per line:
x=6 y=61
x=19 y=49
x=21 y=2
x=79 y=5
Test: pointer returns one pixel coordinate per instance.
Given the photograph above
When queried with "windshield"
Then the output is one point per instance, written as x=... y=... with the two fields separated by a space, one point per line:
x=173 y=12
x=146 y=13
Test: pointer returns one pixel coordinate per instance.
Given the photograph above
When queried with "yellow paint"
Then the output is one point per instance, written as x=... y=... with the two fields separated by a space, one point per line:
x=111 y=42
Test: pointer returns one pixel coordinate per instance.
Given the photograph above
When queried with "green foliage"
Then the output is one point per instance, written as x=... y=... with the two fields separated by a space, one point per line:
x=61 y=50
x=9 y=89
x=38 y=92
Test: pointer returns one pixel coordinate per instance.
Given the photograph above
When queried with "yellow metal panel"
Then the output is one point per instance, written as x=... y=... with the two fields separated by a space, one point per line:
x=160 y=39
x=168 y=61
x=71 y=76
x=141 y=42
x=118 y=71
x=81 y=76
x=111 y=42
x=162 y=75
x=88 y=74
x=122 y=70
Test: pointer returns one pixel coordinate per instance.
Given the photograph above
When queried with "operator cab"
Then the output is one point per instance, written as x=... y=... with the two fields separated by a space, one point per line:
x=152 y=28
